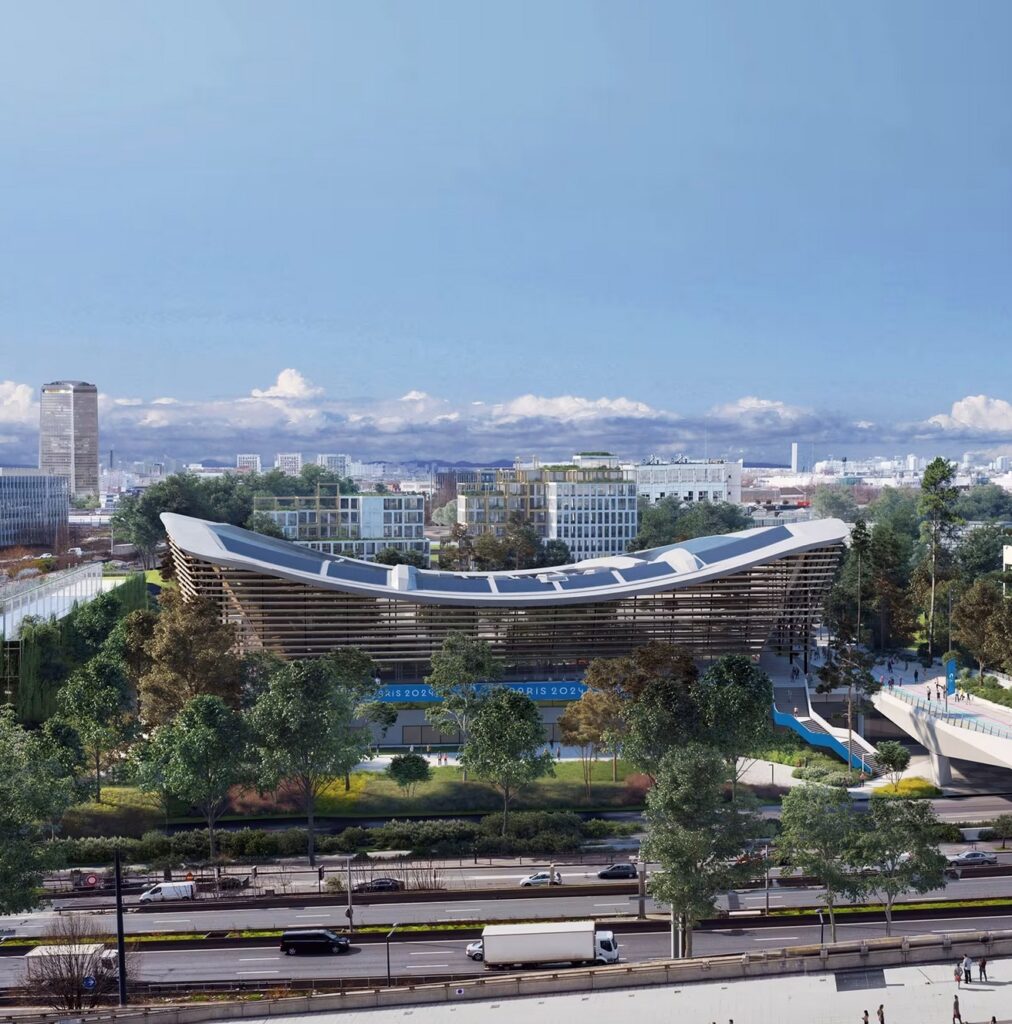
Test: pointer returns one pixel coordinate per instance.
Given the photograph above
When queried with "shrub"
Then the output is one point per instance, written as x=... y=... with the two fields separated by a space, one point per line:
x=912 y=788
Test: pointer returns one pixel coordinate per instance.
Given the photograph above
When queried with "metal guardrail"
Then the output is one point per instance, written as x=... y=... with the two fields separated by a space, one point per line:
x=825 y=740
x=956 y=718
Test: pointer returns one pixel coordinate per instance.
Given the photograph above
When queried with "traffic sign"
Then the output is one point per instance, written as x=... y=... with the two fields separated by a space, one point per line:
x=88 y=983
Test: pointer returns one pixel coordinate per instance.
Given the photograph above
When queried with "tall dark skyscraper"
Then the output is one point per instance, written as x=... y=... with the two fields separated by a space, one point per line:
x=68 y=434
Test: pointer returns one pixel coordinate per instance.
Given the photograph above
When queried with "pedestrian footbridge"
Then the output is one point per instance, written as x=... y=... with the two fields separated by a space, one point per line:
x=976 y=731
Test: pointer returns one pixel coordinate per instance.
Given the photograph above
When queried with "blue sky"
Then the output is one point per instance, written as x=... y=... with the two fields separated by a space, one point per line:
x=802 y=207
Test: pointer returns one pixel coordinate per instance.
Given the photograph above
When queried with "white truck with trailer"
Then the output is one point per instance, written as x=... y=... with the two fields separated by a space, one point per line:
x=537 y=945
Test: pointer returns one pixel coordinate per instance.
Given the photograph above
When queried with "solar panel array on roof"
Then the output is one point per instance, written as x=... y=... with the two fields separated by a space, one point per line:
x=355 y=572
x=646 y=572
x=521 y=585
x=454 y=584
x=597 y=579
x=296 y=559
x=732 y=548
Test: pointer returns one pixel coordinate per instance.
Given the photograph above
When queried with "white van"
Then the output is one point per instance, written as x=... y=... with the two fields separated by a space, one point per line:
x=169 y=891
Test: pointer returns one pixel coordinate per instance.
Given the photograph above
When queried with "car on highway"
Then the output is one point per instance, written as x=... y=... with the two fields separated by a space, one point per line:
x=971 y=858
x=618 y=871
x=313 y=940
x=541 y=878
x=379 y=885
x=476 y=950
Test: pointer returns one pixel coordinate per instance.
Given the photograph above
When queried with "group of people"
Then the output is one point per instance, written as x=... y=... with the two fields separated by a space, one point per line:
x=963 y=971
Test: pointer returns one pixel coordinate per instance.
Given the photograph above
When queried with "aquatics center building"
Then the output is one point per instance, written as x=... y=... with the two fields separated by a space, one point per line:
x=714 y=595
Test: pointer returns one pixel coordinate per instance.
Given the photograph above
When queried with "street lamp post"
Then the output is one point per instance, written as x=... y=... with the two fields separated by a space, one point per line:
x=641 y=877
x=822 y=927
x=766 y=860
x=389 y=934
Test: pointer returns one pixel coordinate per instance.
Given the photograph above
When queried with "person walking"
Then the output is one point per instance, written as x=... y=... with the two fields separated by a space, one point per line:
x=864 y=1018
x=967 y=969
x=881 y=1013
x=956 y=1015
x=915 y=676
x=957 y=974
x=982 y=968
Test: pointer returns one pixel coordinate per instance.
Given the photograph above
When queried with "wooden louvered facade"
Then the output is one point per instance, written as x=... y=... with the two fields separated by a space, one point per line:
x=775 y=602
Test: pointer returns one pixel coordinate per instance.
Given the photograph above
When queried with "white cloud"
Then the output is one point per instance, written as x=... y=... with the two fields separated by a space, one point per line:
x=568 y=408
x=18 y=404
x=976 y=414
x=414 y=396
x=751 y=407
x=290 y=384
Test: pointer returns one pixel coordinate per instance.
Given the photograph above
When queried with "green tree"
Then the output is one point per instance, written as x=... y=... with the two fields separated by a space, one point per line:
x=521 y=543
x=407 y=770
x=834 y=501
x=735 y=700
x=459 y=669
x=378 y=712
x=893 y=618
x=937 y=508
x=980 y=622
x=489 y=553
x=899 y=849
x=984 y=503
x=896 y=508
x=669 y=521
x=894 y=758
x=979 y=551
x=860 y=545
x=34 y=790
x=819 y=832
x=578 y=729
x=554 y=552
x=1002 y=828
x=262 y=523
x=305 y=725
x=392 y=556
x=694 y=835
x=190 y=653
x=202 y=754
x=503 y=745
x=445 y=515
x=849 y=668
x=96 y=702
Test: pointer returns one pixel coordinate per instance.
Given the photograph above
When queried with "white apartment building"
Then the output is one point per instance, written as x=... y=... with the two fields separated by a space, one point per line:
x=248 y=463
x=593 y=519
x=290 y=463
x=334 y=463
x=689 y=481
x=353 y=525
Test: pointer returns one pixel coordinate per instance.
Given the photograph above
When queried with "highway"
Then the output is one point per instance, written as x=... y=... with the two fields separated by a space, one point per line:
x=446 y=956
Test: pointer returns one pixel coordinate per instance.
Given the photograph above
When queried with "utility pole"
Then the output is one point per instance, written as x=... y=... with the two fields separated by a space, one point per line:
x=120 y=943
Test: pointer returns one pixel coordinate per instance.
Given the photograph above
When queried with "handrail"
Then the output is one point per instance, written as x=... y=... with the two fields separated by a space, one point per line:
x=957 y=718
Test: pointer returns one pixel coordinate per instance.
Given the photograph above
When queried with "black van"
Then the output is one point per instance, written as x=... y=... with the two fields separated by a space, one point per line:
x=314 y=940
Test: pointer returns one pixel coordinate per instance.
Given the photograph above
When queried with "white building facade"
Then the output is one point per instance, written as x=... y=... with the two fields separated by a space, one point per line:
x=334 y=463
x=290 y=463
x=593 y=519
x=248 y=463
x=707 y=480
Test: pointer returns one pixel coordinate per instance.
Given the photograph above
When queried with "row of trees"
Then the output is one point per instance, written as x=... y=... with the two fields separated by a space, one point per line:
x=520 y=547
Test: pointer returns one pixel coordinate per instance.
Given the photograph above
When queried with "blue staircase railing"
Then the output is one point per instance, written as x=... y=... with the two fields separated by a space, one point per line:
x=822 y=739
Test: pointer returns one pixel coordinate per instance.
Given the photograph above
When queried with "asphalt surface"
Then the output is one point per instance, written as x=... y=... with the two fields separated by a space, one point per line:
x=420 y=958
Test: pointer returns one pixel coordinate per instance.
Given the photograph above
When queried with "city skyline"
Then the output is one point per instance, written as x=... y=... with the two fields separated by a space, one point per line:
x=786 y=213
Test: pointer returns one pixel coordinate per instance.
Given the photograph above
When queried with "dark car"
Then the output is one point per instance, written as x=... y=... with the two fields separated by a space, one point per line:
x=379 y=885
x=618 y=871
x=314 y=940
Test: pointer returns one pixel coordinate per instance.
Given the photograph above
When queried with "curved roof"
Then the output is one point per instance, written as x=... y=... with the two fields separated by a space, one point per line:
x=598 y=579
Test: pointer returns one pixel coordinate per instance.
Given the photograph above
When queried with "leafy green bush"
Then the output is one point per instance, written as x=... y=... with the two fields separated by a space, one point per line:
x=989 y=688
x=603 y=828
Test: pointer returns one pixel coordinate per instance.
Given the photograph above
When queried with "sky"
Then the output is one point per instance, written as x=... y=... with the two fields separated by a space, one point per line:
x=474 y=230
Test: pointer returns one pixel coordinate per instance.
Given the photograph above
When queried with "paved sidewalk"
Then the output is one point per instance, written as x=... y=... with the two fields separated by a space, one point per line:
x=910 y=995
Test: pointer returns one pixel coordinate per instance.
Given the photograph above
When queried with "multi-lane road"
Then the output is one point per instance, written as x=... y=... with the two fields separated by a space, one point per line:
x=446 y=956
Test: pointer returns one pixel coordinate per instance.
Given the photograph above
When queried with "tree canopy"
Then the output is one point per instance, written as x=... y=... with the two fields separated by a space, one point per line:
x=669 y=521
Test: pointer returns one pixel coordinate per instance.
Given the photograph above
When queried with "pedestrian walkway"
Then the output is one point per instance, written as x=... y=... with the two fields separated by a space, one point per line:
x=908 y=995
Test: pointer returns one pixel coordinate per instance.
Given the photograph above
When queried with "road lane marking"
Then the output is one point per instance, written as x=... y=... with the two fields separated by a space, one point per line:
x=250 y=959
x=256 y=973
x=434 y=952
x=773 y=938
x=411 y=967
x=624 y=903
x=300 y=916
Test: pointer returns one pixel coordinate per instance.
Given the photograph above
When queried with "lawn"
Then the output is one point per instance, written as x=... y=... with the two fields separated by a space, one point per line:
x=124 y=811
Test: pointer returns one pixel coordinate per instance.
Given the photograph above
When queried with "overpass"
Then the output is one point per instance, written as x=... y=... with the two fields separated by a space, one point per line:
x=976 y=730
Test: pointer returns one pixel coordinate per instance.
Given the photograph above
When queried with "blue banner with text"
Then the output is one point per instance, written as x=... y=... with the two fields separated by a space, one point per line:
x=400 y=693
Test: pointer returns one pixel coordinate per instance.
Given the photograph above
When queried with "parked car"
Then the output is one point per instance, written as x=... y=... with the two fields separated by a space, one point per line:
x=541 y=878
x=971 y=858
x=476 y=950
x=379 y=885
x=314 y=940
x=618 y=871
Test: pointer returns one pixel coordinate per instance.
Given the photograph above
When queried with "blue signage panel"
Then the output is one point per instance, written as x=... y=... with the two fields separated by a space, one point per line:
x=950 y=677
x=398 y=693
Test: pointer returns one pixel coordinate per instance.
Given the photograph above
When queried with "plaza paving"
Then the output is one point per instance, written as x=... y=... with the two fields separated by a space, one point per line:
x=910 y=995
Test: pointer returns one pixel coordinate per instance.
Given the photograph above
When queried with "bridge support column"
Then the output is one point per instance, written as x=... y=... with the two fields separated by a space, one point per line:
x=941 y=769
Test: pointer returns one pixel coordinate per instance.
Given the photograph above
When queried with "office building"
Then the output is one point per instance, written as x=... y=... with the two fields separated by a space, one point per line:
x=589 y=503
x=714 y=595
x=290 y=463
x=248 y=463
x=353 y=525
x=68 y=434
x=34 y=509
x=689 y=481
x=334 y=464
